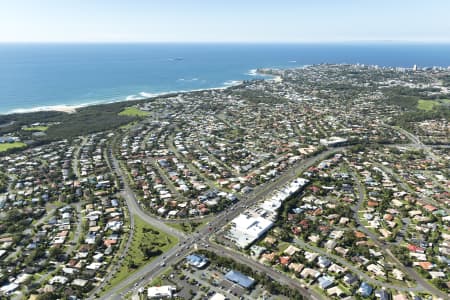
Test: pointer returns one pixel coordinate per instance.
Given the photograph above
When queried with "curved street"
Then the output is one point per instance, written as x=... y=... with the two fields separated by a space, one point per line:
x=424 y=285
x=185 y=244
x=200 y=239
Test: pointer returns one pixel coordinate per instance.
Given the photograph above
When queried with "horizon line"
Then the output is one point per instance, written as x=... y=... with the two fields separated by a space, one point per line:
x=240 y=42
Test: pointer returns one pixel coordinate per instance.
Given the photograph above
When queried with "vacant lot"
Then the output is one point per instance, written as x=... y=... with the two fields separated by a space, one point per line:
x=36 y=128
x=189 y=227
x=133 y=112
x=148 y=243
x=427 y=104
x=8 y=146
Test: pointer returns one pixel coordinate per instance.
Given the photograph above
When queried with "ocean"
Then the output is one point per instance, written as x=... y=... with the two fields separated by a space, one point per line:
x=40 y=76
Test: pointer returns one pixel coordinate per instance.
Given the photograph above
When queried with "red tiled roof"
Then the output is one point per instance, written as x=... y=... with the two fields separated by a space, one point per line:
x=359 y=235
x=372 y=203
x=429 y=207
x=284 y=260
x=108 y=243
x=426 y=265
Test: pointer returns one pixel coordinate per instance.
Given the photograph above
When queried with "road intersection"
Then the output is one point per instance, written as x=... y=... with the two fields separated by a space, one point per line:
x=201 y=238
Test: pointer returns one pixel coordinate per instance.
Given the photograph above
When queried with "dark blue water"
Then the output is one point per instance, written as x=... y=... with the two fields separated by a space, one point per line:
x=41 y=75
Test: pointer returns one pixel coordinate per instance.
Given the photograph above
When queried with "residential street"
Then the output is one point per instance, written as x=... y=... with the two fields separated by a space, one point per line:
x=186 y=242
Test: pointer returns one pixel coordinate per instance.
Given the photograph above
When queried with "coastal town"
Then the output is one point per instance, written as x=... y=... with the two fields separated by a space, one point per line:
x=321 y=182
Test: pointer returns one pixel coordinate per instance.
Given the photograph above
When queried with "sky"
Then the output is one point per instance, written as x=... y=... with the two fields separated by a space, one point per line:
x=224 y=20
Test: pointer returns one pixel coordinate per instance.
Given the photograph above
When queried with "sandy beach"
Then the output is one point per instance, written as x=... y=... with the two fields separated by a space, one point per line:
x=61 y=108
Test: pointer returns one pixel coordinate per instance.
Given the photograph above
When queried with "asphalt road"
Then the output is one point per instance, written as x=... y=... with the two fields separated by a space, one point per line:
x=133 y=210
x=115 y=268
x=416 y=141
x=407 y=188
x=134 y=207
x=138 y=279
x=354 y=269
x=200 y=239
x=263 y=269
x=399 y=265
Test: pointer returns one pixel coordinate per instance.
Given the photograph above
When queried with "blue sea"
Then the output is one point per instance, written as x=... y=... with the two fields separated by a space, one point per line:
x=36 y=76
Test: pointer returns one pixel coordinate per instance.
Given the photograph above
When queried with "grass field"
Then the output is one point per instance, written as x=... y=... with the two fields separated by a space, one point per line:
x=133 y=112
x=282 y=246
x=427 y=104
x=189 y=227
x=36 y=128
x=8 y=146
x=148 y=243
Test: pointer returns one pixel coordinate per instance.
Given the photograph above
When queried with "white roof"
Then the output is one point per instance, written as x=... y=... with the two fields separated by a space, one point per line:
x=217 y=296
x=58 y=279
x=9 y=288
x=160 y=291
x=79 y=282
x=248 y=229
x=22 y=278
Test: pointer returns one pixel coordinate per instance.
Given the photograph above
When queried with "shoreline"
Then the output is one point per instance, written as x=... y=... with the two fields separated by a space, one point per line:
x=70 y=109
x=141 y=96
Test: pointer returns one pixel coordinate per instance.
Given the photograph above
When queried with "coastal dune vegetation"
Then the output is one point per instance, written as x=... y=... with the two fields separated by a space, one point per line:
x=133 y=112
x=417 y=105
x=85 y=121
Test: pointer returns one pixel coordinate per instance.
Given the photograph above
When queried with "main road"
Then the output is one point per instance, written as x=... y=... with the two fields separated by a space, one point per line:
x=134 y=207
x=200 y=239
x=416 y=141
x=186 y=243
